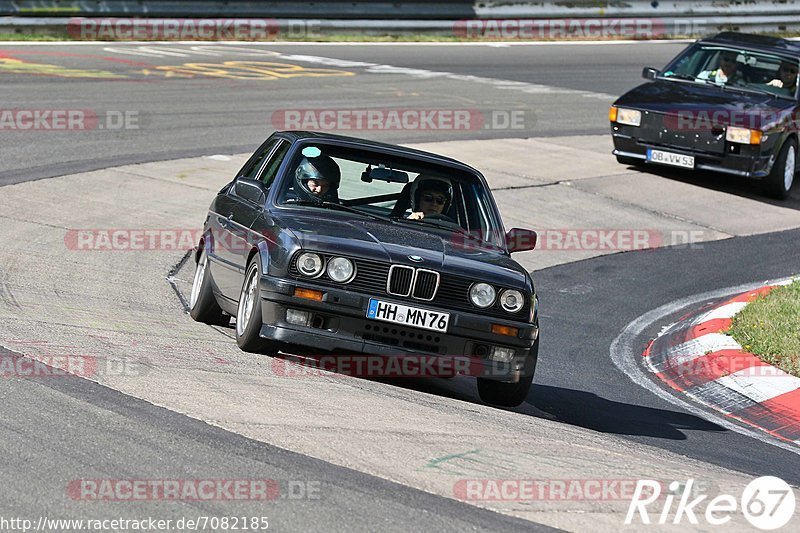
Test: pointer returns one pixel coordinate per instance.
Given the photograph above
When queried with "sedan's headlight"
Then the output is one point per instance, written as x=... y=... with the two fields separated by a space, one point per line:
x=629 y=117
x=743 y=135
x=482 y=295
x=511 y=300
x=310 y=264
x=341 y=269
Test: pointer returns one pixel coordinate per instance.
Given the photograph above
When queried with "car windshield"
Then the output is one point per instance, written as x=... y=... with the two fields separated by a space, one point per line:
x=392 y=188
x=736 y=68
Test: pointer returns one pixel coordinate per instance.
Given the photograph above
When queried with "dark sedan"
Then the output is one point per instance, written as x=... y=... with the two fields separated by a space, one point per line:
x=727 y=104
x=346 y=246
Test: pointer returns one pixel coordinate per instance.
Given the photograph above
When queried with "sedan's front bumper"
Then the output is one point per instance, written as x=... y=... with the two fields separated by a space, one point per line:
x=340 y=325
x=739 y=160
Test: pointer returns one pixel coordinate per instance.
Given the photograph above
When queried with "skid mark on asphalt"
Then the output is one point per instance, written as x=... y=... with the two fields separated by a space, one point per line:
x=6 y=294
x=661 y=213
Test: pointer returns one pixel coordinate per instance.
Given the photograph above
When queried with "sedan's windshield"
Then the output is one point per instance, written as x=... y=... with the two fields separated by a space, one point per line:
x=391 y=188
x=736 y=68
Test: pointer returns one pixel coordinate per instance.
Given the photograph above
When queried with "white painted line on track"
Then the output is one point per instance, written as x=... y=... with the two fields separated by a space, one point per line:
x=376 y=68
x=623 y=355
x=725 y=311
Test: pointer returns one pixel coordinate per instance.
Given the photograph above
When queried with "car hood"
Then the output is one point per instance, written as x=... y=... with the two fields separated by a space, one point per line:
x=708 y=103
x=440 y=250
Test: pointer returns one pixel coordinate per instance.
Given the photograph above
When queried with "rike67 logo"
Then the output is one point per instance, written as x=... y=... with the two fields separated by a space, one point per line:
x=767 y=503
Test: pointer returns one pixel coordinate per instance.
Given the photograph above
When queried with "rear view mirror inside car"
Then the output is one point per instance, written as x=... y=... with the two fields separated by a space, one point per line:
x=384 y=174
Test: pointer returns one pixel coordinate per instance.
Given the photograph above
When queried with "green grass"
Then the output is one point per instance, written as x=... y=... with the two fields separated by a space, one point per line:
x=44 y=37
x=769 y=327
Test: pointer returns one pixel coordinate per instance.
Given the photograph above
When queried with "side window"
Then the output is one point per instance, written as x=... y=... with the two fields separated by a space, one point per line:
x=250 y=169
x=271 y=170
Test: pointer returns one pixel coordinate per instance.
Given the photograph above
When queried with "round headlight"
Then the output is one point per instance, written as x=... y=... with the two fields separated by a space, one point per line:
x=310 y=264
x=512 y=300
x=341 y=270
x=482 y=295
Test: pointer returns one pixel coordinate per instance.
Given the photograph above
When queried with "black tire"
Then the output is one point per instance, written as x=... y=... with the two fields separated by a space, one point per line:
x=781 y=178
x=203 y=307
x=507 y=394
x=248 y=316
x=630 y=161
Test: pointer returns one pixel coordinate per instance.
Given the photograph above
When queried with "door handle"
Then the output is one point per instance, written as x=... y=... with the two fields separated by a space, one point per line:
x=225 y=221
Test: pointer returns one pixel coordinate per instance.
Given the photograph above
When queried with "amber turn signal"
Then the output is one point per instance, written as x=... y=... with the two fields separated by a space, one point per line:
x=505 y=330
x=308 y=294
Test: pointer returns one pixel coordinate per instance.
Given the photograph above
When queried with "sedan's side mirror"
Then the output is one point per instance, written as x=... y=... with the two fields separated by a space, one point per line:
x=520 y=240
x=650 y=73
x=251 y=190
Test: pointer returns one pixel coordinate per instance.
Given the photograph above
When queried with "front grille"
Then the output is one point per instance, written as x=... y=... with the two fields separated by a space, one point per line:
x=400 y=278
x=425 y=284
x=448 y=292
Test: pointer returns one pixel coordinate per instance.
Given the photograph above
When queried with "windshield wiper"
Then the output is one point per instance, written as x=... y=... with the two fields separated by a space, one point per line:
x=681 y=76
x=341 y=207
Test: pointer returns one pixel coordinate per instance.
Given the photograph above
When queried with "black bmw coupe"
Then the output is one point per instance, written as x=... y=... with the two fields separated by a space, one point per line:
x=347 y=246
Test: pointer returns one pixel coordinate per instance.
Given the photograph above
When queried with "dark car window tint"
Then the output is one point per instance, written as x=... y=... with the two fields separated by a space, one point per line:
x=250 y=170
x=271 y=170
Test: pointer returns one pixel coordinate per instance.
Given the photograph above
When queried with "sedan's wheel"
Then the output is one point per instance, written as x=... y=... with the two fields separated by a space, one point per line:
x=203 y=307
x=504 y=394
x=507 y=394
x=248 y=316
x=780 y=180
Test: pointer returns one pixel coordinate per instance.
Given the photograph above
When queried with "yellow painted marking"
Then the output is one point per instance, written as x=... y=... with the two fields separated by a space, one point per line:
x=17 y=66
x=248 y=70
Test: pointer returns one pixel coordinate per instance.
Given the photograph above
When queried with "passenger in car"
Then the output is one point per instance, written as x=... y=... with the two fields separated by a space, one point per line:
x=727 y=72
x=430 y=195
x=786 y=78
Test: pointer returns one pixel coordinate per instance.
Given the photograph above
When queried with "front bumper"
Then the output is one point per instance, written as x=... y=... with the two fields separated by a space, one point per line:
x=340 y=325
x=738 y=160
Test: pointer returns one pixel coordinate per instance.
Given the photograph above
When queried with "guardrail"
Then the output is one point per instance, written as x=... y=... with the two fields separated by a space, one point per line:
x=400 y=9
x=500 y=20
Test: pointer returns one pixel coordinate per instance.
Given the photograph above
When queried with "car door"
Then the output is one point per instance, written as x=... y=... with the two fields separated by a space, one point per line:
x=231 y=221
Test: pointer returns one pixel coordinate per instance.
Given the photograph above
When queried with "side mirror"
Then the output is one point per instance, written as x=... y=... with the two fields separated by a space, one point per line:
x=520 y=240
x=251 y=190
x=650 y=73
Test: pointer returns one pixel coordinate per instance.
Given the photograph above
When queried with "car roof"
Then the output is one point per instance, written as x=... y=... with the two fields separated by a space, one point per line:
x=757 y=42
x=344 y=140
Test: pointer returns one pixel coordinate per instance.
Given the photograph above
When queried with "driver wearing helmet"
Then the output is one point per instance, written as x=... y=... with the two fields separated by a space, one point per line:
x=317 y=179
x=430 y=196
